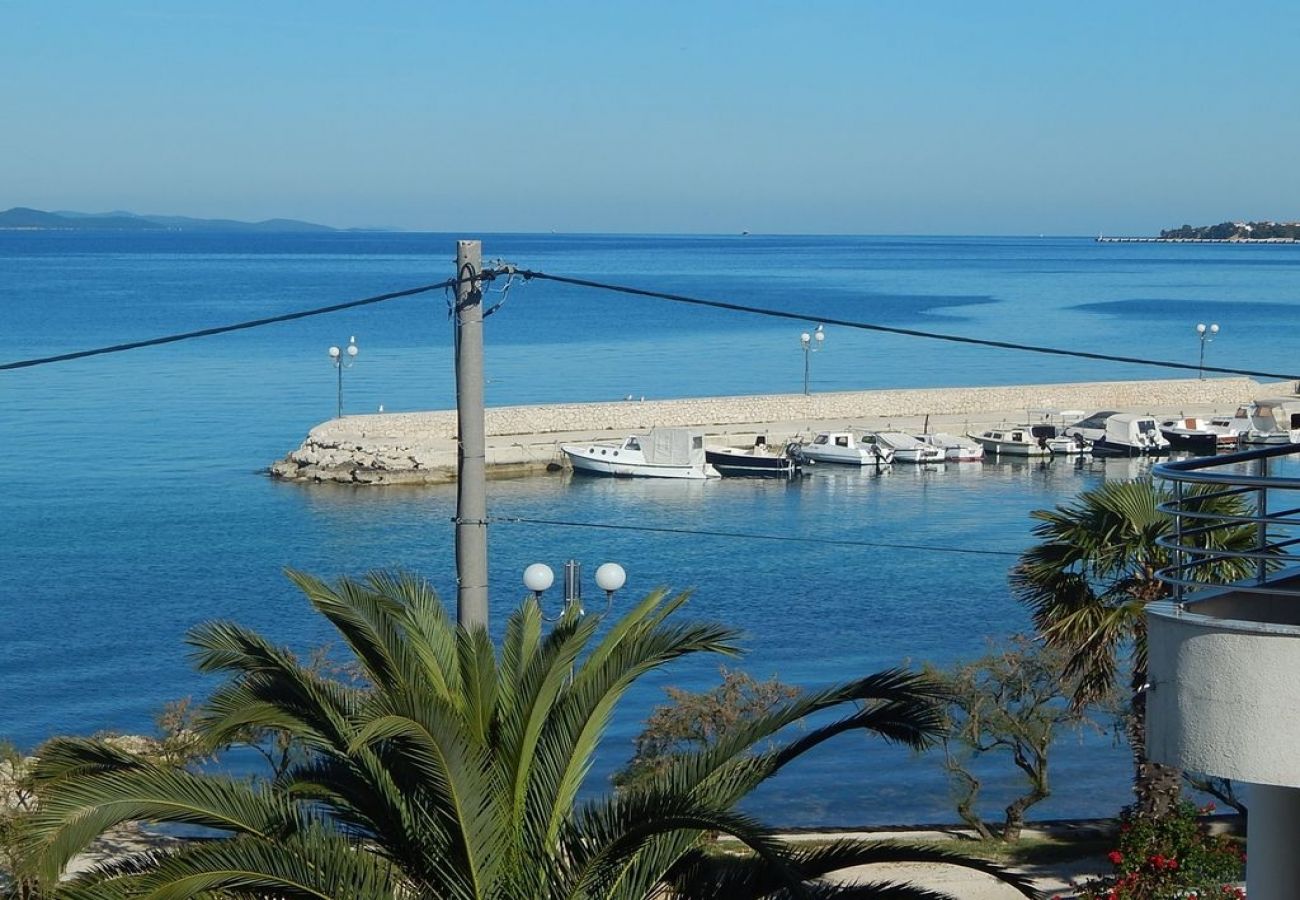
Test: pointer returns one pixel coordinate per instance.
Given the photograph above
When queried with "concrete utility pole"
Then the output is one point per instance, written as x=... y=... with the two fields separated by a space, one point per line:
x=471 y=478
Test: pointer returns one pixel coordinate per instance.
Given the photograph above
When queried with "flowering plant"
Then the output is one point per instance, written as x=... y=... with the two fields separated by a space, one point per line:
x=1173 y=856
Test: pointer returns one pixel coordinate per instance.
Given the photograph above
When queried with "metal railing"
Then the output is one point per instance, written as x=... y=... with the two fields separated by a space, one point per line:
x=1210 y=546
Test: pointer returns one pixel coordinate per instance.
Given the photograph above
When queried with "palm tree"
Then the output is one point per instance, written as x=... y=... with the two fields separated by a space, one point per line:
x=1088 y=582
x=453 y=771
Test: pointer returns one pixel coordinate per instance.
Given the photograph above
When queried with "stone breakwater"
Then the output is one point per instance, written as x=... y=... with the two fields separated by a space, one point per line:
x=420 y=447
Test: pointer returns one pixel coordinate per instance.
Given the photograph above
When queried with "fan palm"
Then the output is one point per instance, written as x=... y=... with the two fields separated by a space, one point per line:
x=453 y=771
x=1088 y=582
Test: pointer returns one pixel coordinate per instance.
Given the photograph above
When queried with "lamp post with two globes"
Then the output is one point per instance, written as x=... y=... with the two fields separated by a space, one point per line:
x=811 y=343
x=610 y=577
x=1207 y=336
x=343 y=360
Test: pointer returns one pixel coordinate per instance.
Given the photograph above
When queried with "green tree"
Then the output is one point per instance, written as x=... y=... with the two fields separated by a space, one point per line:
x=696 y=721
x=453 y=770
x=1087 y=583
x=1010 y=703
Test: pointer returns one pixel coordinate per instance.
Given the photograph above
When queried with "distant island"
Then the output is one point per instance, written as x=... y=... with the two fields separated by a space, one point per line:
x=20 y=218
x=1223 y=233
x=1237 y=231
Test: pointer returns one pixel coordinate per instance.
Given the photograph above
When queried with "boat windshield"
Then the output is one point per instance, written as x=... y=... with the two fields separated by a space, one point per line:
x=632 y=444
x=1096 y=420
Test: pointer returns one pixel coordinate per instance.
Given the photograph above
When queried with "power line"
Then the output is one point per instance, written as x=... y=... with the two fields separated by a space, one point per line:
x=223 y=329
x=908 y=332
x=697 y=532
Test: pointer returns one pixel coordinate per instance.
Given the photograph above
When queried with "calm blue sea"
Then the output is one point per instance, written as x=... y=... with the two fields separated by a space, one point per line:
x=134 y=508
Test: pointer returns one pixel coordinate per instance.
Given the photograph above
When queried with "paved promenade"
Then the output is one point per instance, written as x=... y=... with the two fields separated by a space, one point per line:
x=420 y=447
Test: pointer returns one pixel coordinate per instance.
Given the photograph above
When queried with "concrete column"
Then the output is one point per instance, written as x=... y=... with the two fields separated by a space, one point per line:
x=1272 y=863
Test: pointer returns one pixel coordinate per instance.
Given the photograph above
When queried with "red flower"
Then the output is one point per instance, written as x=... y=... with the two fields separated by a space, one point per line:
x=1115 y=857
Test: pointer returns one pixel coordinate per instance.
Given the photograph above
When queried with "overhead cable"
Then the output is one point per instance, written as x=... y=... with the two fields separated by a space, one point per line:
x=223 y=329
x=747 y=535
x=908 y=332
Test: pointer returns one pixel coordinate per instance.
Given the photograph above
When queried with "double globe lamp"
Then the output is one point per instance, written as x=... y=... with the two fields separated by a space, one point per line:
x=610 y=577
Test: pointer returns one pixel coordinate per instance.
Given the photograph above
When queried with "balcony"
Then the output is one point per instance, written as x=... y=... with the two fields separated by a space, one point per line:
x=1224 y=655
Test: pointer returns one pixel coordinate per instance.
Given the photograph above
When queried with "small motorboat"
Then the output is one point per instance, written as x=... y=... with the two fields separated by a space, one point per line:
x=955 y=447
x=843 y=448
x=1271 y=422
x=1091 y=428
x=662 y=453
x=1028 y=440
x=758 y=460
x=908 y=449
x=1204 y=436
x=1131 y=435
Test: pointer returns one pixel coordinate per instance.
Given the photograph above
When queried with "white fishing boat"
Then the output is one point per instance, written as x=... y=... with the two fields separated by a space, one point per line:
x=955 y=447
x=1128 y=434
x=908 y=449
x=662 y=453
x=1275 y=421
x=843 y=448
x=1027 y=440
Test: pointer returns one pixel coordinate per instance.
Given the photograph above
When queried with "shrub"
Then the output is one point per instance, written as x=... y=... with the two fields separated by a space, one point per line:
x=1170 y=856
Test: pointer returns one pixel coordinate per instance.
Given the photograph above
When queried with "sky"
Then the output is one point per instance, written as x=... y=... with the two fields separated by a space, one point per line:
x=866 y=117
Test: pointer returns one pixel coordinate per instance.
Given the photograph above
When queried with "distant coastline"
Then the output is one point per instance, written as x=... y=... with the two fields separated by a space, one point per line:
x=20 y=218
x=1223 y=233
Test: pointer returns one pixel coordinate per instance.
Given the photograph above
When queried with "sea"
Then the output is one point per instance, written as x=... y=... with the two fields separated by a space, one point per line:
x=135 y=503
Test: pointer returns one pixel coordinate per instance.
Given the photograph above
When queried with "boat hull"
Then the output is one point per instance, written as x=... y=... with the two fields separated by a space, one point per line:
x=733 y=464
x=852 y=458
x=585 y=462
x=919 y=457
x=1113 y=448
x=1204 y=443
x=1011 y=448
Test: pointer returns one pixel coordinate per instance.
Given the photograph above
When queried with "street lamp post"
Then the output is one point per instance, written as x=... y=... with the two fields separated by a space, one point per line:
x=811 y=343
x=343 y=360
x=610 y=577
x=1207 y=336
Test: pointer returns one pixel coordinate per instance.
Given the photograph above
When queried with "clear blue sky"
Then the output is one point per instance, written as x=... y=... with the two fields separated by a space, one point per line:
x=860 y=117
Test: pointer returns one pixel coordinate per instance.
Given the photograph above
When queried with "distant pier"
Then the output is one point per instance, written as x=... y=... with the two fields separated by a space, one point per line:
x=421 y=447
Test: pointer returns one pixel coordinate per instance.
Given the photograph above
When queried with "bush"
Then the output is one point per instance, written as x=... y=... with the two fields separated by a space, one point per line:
x=1171 y=856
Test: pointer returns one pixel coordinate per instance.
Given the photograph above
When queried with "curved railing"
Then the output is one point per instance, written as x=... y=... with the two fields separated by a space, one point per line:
x=1270 y=507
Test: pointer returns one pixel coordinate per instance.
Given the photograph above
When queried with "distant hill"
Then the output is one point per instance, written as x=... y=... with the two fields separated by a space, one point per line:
x=34 y=219
x=1236 y=231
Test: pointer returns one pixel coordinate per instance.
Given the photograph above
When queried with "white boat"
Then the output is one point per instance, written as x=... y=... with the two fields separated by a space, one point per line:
x=908 y=449
x=1274 y=421
x=842 y=448
x=1027 y=440
x=662 y=453
x=1131 y=435
x=1092 y=428
x=955 y=447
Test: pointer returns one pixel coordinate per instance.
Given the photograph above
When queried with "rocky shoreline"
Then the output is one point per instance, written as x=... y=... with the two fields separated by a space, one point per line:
x=420 y=447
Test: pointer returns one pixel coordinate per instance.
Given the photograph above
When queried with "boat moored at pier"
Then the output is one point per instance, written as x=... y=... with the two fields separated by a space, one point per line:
x=661 y=453
x=756 y=461
x=1131 y=435
x=844 y=448
x=907 y=448
x=955 y=447
x=1203 y=436
x=1028 y=440
x=1275 y=421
